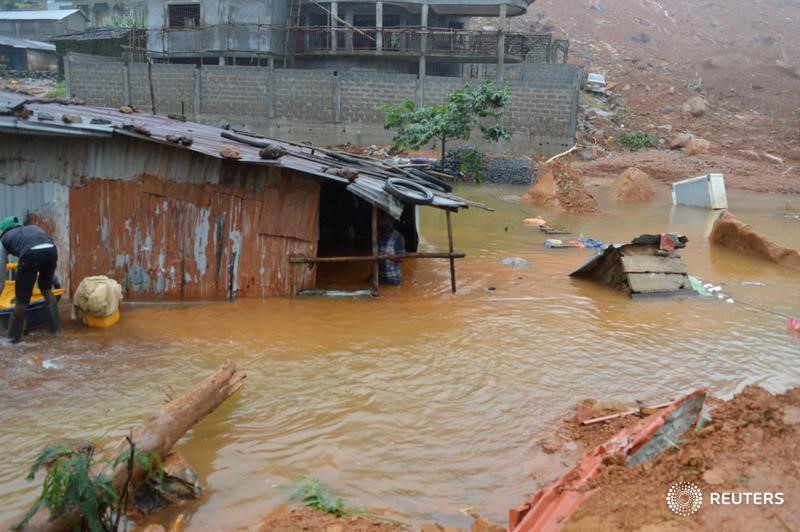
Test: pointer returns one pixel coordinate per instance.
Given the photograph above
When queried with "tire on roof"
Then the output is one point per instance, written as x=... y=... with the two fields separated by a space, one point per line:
x=409 y=191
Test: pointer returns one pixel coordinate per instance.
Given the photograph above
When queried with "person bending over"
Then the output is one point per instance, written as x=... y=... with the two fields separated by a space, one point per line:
x=37 y=255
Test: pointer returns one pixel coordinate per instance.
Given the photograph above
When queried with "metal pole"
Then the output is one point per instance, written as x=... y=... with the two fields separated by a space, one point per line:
x=452 y=259
x=375 y=265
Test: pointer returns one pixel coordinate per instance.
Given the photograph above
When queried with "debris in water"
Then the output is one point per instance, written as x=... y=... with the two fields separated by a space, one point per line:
x=534 y=221
x=579 y=243
x=52 y=363
x=514 y=262
x=641 y=268
x=547 y=229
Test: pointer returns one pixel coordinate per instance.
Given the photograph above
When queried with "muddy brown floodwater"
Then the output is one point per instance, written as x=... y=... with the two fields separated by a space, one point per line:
x=420 y=402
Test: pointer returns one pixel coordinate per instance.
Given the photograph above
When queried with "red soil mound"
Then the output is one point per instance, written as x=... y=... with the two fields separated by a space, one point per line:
x=560 y=187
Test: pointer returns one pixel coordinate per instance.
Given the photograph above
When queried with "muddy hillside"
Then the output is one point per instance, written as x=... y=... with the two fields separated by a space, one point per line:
x=727 y=73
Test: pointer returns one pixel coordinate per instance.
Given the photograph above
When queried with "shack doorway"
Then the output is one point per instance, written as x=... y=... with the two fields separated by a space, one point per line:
x=345 y=230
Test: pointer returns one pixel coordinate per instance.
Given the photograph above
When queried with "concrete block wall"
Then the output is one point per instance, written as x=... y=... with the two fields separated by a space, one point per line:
x=233 y=90
x=97 y=82
x=363 y=92
x=138 y=86
x=542 y=110
x=436 y=89
x=173 y=86
x=324 y=108
x=304 y=96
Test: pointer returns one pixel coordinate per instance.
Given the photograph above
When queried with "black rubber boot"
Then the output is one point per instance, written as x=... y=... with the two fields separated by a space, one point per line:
x=51 y=308
x=15 y=325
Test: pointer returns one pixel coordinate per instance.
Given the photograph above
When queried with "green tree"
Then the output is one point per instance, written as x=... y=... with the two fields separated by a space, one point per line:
x=465 y=109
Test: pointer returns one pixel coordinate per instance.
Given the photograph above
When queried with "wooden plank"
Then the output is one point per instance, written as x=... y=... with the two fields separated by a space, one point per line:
x=653 y=264
x=657 y=282
x=298 y=259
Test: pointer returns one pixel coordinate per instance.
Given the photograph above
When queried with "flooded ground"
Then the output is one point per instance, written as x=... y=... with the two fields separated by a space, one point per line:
x=421 y=401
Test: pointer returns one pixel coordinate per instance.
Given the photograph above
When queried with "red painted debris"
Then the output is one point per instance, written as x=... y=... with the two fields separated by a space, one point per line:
x=550 y=508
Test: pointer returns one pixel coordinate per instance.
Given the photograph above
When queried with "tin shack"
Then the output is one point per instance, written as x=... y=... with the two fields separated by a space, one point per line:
x=174 y=209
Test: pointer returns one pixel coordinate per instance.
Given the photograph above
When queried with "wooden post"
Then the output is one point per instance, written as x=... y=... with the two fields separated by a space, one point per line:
x=452 y=259
x=334 y=23
x=379 y=27
x=376 y=264
x=501 y=46
x=423 y=41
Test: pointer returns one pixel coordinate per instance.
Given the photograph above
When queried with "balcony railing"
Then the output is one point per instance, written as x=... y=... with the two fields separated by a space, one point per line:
x=409 y=41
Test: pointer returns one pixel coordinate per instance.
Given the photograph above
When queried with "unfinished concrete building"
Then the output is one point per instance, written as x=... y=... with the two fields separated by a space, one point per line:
x=412 y=36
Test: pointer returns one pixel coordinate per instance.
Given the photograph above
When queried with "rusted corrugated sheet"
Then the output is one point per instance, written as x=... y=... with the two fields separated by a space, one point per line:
x=111 y=126
x=177 y=240
x=287 y=211
x=70 y=161
x=278 y=276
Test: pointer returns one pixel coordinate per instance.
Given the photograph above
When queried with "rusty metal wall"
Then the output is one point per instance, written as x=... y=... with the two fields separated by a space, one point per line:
x=166 y=222
x=166 y=239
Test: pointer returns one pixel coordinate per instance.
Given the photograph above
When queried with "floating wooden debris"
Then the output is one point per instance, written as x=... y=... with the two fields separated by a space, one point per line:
x=550 y=230
x=642 y=268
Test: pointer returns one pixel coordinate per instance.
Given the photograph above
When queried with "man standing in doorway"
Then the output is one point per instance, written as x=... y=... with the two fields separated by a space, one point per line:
x=37 y=255
x=390 y=242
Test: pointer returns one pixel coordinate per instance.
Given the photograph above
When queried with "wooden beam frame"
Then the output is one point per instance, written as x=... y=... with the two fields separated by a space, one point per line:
x=300 y=259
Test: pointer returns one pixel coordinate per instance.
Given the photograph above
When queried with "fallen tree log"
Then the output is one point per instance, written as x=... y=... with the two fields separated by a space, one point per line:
x=158 y=434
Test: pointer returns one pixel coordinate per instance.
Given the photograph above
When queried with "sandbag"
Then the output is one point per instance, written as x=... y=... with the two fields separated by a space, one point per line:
x=98 y=295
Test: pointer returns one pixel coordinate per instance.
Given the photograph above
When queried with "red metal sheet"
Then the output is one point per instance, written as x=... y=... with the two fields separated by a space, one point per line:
x=550 y=508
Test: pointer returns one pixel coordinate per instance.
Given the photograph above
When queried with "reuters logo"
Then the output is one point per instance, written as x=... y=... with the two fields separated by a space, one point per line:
x=684 y=498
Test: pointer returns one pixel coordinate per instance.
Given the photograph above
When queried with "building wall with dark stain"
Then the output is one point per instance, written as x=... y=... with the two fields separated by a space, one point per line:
x=165 y=222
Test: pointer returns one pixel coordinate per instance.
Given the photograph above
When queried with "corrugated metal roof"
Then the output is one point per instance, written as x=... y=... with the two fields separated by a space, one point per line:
x=89 y=34
x=208 y=140
x=13 y=42
x=54 y=14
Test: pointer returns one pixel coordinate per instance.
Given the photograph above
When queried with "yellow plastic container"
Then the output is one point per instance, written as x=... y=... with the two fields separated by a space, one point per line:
x=97 y=321
x=7 y=294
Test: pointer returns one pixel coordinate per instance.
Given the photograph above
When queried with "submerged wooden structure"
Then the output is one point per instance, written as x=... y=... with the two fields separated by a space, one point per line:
x=639 y=269
x=167 y=219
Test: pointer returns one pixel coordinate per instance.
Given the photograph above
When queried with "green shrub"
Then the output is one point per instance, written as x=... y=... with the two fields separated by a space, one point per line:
x=69 y=484
x=637 y=140
x=59 y=92
x=316 y=495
